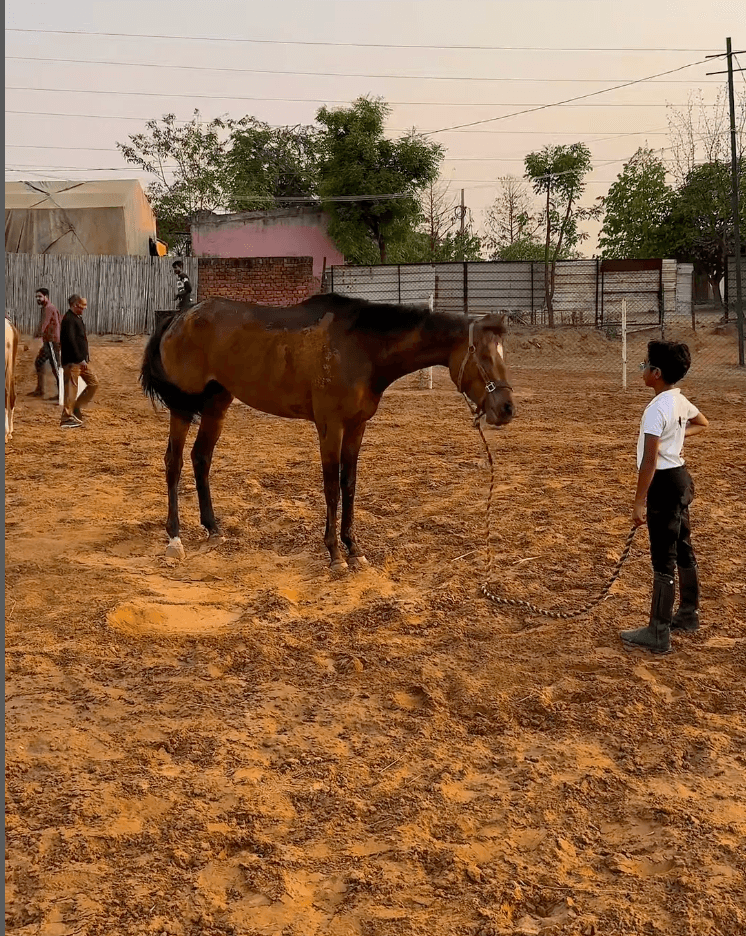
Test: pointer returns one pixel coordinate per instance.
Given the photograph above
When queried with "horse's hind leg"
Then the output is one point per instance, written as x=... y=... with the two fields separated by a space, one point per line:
x=174 y=460
x=351 y=442
x=211 y=425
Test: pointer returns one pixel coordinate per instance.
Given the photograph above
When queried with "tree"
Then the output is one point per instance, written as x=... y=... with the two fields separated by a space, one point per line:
x=635 y=210
x=458 y=246
x=189 y=164
x=512 y=222
x=700 y=221
x=558 y=173
x=266 y=163
x=523 y=248
x=357 y=160
x=438 y=237
x=440 y=215
x=701 y=133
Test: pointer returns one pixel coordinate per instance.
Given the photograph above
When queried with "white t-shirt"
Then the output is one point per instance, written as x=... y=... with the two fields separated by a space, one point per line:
x=666 y=416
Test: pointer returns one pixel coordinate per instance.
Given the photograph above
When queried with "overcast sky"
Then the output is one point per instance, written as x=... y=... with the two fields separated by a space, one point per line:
x=512 y=55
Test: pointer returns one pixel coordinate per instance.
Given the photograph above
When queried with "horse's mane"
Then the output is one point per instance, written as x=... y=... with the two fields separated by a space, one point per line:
x=380 y=318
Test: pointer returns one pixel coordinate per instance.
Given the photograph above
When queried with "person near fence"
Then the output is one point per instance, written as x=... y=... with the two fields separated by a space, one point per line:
x=49 y=353
x=183 y=295
x=75 y=363
x=665 y=487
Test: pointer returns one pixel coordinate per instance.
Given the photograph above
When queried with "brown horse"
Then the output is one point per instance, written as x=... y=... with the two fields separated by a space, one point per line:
x=327 y=360
x=11 y=353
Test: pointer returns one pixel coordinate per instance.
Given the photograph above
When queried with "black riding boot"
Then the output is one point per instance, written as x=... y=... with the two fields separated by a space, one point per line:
x=656 y=636
x=687 y=617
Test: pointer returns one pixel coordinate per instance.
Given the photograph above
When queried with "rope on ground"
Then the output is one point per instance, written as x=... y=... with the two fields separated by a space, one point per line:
x=515 y=602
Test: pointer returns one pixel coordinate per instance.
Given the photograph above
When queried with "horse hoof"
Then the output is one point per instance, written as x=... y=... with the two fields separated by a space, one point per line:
x=357 y=563
x=175 y=550
x=214 y=540
x=339 y=565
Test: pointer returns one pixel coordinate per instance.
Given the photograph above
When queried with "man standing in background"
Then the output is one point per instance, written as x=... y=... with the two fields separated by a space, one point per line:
x=75 y=363
x=183 y=295
x=50 y=338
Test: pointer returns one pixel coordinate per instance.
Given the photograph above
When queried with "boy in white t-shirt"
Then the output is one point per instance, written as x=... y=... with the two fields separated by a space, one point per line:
x=664 y=484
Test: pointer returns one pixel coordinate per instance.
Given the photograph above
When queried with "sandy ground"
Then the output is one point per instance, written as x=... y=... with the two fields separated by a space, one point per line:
x=244 y=744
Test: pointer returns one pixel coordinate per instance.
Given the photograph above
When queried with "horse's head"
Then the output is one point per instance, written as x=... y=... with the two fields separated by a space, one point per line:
x=478 y=370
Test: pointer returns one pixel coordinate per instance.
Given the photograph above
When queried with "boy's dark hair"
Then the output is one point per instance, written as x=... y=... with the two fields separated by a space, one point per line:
x=44 y=291
x=177 y=265
x=672 y=358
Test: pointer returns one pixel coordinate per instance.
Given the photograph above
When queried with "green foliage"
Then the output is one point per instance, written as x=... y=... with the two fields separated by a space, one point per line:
x=418 y=248
x=214 y=166
x=511 y=223
x=559 y=170
x=558 y=174
x=357 y=159
x=458 y=246
x=266 y=163
x=635 y=210
x=522 y=248
x=699 y=224
x=195 y=154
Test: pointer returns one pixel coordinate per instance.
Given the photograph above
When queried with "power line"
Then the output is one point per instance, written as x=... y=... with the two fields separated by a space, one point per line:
x=22 y=167
x=105 y=149
x=312 y=74
x=660 y=132
x=96 y=149
x=741 y=70
x=96 y=116
x=311 y=199
x=236 y=97
x=568 y=101
x=356 y=45
x=466 y=183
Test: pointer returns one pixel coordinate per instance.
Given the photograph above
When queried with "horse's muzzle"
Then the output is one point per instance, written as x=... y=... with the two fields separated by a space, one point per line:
x=500 y=413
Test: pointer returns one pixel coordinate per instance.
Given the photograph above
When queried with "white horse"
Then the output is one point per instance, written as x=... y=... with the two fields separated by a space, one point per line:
x=11 y=352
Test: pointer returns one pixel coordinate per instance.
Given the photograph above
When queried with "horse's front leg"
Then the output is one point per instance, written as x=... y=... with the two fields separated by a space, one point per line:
x=174 y=461
x=330 y=442
x=211 y=425
x=351 y=442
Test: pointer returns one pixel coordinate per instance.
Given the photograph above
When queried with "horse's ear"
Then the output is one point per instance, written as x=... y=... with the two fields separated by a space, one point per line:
x=494 y=323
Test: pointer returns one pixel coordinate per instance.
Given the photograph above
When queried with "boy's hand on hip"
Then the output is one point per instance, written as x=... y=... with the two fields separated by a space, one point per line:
x=638 y=515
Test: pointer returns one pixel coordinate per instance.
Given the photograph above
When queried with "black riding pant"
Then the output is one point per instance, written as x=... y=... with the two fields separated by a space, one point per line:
x=669 y=496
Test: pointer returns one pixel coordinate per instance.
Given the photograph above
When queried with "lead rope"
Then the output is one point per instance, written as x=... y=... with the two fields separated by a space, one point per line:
x=515 y=602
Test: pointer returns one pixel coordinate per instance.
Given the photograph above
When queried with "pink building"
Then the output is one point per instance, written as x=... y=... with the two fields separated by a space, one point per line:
x=281 y=232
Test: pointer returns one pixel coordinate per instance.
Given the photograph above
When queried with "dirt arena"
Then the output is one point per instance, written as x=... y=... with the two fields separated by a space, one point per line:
x=244 y=744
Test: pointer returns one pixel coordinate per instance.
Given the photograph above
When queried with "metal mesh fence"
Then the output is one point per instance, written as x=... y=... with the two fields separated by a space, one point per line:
x=588 y=298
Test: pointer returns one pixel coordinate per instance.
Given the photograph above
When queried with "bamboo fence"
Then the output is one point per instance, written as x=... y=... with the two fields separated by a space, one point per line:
x=123 y=293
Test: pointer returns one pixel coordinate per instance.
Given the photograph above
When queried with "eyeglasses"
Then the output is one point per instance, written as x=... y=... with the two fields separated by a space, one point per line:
x=643 y=365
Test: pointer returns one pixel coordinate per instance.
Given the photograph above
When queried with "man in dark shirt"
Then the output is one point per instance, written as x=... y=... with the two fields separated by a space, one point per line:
x=183 y=295
x=50 y=341
x=75 y=363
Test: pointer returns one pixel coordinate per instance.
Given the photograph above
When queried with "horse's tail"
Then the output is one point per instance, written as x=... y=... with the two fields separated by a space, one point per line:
x=157 y=385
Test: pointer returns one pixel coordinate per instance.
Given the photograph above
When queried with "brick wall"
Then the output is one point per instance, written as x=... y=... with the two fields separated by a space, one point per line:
x=277 y=281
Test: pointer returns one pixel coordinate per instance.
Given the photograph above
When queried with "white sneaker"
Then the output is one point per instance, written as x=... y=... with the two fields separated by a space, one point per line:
x=72 y=422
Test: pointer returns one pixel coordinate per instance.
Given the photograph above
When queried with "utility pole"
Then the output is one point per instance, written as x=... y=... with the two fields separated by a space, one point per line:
x=462 y=213
x=735 y=166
